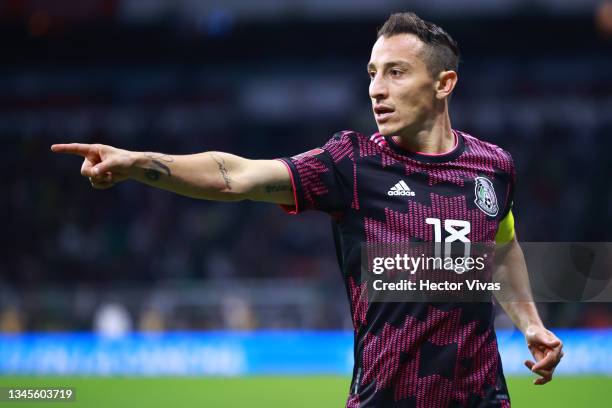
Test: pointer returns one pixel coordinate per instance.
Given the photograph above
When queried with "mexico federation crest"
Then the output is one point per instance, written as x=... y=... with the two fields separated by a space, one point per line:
x=486 y=199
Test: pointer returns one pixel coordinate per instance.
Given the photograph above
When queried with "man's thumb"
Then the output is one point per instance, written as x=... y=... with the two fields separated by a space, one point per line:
x=101 y=168
x=552 y=342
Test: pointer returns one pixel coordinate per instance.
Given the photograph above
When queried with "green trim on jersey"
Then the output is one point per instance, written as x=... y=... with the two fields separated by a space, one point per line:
x=505 y=229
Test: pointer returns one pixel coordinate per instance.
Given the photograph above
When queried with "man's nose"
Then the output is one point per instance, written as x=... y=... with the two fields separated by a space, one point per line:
x=378 y=88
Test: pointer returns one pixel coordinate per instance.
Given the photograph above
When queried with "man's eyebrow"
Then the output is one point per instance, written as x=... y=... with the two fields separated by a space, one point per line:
x=389 y=64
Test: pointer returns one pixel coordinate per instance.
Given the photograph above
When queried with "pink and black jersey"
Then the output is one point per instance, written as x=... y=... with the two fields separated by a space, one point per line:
x=411 y=354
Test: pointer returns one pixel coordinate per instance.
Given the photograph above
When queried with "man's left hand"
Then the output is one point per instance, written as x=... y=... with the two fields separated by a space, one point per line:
x=547 y=350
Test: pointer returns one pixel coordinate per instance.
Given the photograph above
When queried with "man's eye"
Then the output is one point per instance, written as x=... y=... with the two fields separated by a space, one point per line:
x=395 y=72
x=371 y=74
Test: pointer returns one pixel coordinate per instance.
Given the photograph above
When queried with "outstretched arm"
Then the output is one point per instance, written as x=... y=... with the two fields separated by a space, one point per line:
x=210 y=175
x=517 y=301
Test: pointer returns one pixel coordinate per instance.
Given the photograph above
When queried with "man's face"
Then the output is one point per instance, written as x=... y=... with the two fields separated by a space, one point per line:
x=402 y=89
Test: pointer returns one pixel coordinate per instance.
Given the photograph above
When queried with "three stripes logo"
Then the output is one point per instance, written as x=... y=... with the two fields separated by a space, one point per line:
x=401 y=189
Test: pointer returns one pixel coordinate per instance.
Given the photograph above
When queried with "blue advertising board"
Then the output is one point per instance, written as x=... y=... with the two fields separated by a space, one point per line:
x=225 y=353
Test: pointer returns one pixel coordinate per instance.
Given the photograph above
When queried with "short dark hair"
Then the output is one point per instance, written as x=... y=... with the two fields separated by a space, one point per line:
x=442 y=52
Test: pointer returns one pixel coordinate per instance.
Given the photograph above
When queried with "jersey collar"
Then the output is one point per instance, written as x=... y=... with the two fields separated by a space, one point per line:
x=451 y=155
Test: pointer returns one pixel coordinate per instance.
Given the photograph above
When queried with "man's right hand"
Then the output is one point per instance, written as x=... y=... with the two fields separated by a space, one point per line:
x=103 y=165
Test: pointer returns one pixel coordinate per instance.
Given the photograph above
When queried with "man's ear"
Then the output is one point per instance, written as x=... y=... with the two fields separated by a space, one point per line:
x=445 y=84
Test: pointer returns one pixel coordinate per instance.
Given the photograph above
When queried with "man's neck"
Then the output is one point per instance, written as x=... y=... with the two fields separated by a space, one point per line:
x=435 y=139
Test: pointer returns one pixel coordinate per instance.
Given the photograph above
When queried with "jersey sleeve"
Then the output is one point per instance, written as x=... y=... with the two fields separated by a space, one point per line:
x=510 y=187
x=505 y=228
x=323 y=178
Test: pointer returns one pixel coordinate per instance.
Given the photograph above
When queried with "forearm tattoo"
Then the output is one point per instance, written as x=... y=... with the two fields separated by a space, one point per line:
x=275 y=188
x=159 y=156
x=223 y=171
x=153 y=174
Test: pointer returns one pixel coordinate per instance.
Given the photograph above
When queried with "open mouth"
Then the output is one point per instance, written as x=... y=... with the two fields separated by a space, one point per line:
x=383 y=113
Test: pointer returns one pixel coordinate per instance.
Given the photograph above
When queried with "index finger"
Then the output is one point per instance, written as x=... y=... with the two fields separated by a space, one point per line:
x=548 y=362
x=81 y=149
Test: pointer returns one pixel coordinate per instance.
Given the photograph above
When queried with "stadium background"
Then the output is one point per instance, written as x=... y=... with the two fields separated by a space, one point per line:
x=133 y=289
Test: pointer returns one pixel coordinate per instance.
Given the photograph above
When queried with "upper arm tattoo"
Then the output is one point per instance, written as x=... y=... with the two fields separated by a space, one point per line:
x=223 y=171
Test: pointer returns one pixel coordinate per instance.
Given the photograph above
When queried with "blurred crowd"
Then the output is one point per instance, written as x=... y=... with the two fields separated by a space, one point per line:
x=529 y=86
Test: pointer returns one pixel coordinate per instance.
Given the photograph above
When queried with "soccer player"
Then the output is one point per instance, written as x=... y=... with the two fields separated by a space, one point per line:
x=397 y=185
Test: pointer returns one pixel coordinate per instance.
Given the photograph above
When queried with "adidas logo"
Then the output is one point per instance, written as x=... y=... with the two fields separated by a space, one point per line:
x=401 y=189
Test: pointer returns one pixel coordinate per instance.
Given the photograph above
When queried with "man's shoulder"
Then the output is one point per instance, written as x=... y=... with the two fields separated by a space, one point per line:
x=344 y=142
x=366 y=144
x=346 y=136
x=486 y=150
